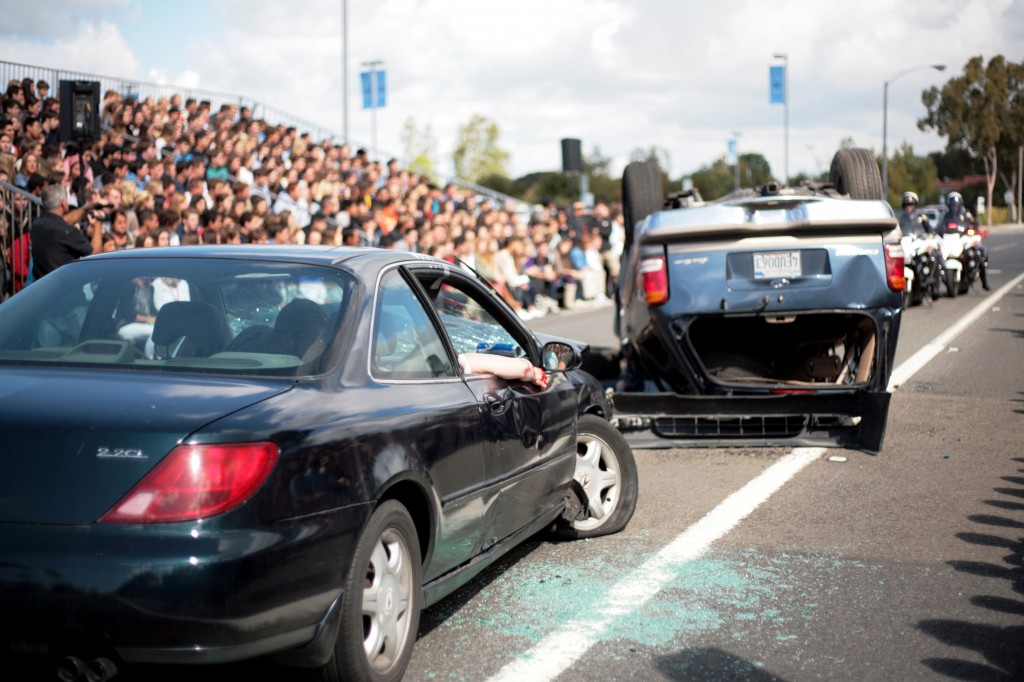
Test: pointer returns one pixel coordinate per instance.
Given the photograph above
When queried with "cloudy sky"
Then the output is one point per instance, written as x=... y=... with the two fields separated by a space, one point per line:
x=683 y=75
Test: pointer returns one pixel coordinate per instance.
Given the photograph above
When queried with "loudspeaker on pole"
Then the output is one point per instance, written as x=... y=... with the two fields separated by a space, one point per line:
x=572 y=158
x=79 y=110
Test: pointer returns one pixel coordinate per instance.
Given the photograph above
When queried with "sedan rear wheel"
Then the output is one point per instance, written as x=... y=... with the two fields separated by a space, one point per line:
x=382 y=601
x=606 y=472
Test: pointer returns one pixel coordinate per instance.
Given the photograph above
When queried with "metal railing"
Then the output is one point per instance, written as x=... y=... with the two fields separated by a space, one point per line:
x=139 y=90
x=18 y=209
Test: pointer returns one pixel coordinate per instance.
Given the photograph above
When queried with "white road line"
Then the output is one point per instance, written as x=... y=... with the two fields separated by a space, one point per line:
x=915 y=362
x=559 y=650
x=1002 y=247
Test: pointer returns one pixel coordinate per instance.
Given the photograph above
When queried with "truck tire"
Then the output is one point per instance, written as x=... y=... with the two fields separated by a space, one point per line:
x=854 y=172
x=641 y=194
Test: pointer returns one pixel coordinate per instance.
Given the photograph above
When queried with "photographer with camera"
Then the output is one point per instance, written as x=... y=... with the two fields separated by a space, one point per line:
x=56 y=240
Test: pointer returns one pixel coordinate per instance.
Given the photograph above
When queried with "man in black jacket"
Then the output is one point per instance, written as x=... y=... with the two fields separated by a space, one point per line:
x=56 y=240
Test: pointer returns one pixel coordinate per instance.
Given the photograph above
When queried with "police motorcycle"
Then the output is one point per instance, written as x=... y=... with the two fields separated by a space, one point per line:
x=924 y=266
x=966 y=260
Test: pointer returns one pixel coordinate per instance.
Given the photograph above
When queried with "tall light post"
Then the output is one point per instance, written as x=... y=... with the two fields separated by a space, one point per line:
x=344 y=70
x=885 y=120
x=785 y=112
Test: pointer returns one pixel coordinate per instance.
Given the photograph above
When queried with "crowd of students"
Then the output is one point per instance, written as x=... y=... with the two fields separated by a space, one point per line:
x=174 y=171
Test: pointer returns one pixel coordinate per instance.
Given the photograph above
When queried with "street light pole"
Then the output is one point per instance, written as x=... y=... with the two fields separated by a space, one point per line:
x=344 y=69
x=885 y=121
x=785 y=112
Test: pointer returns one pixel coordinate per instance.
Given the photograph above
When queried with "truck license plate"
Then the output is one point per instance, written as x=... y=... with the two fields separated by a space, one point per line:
x=776 y=264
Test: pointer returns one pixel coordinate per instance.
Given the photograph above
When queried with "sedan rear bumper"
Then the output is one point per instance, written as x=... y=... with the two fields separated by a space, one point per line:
x=183 y=595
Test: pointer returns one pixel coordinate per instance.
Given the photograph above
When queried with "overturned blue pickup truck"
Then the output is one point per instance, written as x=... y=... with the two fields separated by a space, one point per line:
x=767 y=317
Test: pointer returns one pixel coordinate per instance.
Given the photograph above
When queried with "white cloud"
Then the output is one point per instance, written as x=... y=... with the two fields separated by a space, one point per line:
x=616 y=74
x=92 y=47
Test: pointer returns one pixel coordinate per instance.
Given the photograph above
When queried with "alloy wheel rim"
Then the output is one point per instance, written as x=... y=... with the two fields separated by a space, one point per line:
x=597 y=472
x=387 y=593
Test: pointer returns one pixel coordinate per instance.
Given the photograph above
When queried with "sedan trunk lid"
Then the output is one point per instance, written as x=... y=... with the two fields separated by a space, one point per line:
x=72 y=443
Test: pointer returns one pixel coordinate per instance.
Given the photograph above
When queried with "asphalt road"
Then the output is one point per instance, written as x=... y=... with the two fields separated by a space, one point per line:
x=904 y=565
x=767 y=564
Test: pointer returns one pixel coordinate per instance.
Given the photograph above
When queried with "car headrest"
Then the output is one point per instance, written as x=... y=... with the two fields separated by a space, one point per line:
x=298 y=325
x=200 y=324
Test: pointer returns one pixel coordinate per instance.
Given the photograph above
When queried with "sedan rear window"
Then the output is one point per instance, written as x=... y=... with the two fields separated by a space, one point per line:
x=182 y=315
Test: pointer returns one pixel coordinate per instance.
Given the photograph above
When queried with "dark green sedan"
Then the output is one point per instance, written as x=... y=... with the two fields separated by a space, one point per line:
x=209 y=454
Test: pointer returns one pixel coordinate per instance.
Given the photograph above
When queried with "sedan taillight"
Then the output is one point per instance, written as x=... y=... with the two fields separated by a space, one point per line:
x=894 y=263
x=196 y=481
x=655 y=280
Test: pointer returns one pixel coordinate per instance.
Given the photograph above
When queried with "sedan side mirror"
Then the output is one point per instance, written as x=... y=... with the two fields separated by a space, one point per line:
x=557 y=356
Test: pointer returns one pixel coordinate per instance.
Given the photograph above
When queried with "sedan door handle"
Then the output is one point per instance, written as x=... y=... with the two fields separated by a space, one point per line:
x=495 y=403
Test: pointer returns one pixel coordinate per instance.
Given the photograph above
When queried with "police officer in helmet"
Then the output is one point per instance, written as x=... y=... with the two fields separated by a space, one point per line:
x=911 y=222
x=958 y=216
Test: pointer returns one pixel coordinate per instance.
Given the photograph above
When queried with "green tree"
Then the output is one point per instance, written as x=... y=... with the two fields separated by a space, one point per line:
x=911 y=173
x=716 y=180
x=540 y=188
x=719 y=178
x=980 y=111
x=420 y=148
x=956 y=163
x=754 y=170
x=563 y=189
x=477 y=154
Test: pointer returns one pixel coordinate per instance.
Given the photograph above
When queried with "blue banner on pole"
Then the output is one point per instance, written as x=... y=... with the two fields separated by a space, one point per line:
x=730 y=157
x=367 y=83
x=371 y=99
x=382 y=89
x=777 y=81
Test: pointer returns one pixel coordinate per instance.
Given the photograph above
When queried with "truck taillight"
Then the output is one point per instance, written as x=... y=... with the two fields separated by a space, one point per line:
x=655 y=279
x=894 y=263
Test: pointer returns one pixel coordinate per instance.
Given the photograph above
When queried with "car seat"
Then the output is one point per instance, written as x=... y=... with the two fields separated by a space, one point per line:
x=189 y=329
x=299 y=329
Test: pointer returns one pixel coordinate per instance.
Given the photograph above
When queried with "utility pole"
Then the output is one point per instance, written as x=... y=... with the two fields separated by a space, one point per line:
x=344 y=69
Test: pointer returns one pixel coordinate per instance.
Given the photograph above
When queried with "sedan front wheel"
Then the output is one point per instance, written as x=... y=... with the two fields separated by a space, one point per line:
x=606 y=473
